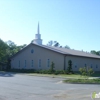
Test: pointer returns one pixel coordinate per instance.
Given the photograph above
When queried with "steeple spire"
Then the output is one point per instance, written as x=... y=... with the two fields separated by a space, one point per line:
x=38 y=29
x=38 y=39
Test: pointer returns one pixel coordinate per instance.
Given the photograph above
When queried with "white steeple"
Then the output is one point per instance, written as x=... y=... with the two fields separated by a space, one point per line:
x=38 y=39
x=38 y=29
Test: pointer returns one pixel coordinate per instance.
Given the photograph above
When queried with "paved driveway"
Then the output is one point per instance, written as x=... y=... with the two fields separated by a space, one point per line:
x=24 y=87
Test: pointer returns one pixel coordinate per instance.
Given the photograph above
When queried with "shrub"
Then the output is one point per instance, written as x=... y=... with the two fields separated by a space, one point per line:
x=69 y=68
x=22 y=70
x=52 y=67
x=56 y=72
x=90 y=71
x=83 y=71
x=86 y=72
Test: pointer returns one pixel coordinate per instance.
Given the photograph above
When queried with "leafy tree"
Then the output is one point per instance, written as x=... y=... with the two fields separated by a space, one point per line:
x=13 y=48
x=67 y=47
x=50 y=43
x=56 y=44
x=11 y=44
x=3 y=48
x=95 y=52
x=8 y=49
x=8 y=64
x=53 y=43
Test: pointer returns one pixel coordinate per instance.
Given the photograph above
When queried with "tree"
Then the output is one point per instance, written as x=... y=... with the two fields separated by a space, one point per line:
x=53 y=43
x=13 y=48
x=50 y=43
x=56 y=44
x=67 y=47
x=69 y=68
x=8 y=49
x=11 y=44
x=95 y=52
x=3 y=48
x=52 y=67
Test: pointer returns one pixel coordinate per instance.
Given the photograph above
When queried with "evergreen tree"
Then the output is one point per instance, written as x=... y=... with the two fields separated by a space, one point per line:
x=69 y=68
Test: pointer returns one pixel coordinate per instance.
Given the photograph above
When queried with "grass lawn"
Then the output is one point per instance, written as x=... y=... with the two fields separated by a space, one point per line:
x=75 y=76
x=83 y=81
x=96 y=74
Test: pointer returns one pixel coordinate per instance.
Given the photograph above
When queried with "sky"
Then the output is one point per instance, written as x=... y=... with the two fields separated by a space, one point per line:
x=75 y=23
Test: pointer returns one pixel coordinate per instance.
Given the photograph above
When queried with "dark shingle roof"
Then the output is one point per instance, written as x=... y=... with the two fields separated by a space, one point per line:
x=71 y=52
x=63 y=51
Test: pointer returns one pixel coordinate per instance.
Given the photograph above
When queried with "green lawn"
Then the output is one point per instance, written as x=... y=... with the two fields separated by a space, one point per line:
x=96 y=74
x=83 y=81
x=76 y=76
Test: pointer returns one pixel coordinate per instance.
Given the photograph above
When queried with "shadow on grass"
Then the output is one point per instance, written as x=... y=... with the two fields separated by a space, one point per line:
x=96 y=74
x=6 y=74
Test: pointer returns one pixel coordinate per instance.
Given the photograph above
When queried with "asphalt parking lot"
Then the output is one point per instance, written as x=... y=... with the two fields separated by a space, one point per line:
x=25 y=87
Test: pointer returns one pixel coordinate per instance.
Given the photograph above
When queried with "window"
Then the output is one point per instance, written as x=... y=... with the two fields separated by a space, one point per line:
x=32 y=63
x=19 y=63
x=75 y=66
x=48 y=63
x=85 y=65
x=39 y=62
x=32 y=51
x=25 y=63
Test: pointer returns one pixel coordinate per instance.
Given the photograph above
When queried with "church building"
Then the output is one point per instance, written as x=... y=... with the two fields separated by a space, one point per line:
x=39 y=57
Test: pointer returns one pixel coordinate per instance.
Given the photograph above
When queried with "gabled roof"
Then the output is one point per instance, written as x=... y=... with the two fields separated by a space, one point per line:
x=77 y=52
x=63 y=51
x=70 y=52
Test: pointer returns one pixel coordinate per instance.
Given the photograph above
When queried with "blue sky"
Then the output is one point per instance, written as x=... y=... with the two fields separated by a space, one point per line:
x=75 y=23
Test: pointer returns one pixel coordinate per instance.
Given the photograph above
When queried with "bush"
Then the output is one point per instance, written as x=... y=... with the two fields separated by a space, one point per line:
x=22 y=70
x=56 y=73
x=90 y=71
x=44 y=71
x=86 y=71
x=83 y=71
x=52 y=67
